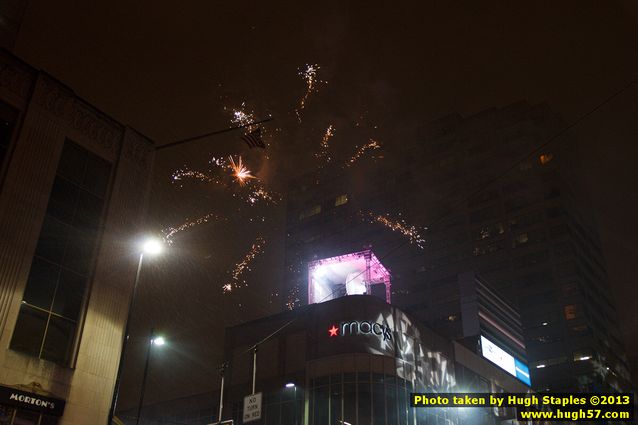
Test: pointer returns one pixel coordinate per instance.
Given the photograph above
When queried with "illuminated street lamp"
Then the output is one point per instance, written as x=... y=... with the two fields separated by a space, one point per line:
x=154 y=341
x=150 y=247
x=294 y=400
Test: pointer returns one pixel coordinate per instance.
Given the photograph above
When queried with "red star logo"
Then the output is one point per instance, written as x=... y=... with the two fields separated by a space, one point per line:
x=333 y=331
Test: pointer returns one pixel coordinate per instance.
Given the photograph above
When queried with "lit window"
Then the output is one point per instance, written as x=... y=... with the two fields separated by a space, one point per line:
x=549 y=362
x=521 y=239
x=342 y=199
x=310 y=212
x=545 y=158
x=582 y=355
x=570 y=312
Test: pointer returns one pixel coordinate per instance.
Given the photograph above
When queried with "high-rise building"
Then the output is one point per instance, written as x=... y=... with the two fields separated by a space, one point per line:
x=73 y=184
x=496 y=201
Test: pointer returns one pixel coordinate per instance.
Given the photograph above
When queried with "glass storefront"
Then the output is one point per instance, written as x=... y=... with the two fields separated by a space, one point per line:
x=360 y=398
x=13 y=416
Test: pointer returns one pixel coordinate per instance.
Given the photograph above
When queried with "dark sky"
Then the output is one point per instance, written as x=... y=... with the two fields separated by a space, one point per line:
x=169 y=69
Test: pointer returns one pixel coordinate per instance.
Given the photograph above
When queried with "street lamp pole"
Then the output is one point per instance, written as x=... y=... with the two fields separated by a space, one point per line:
x=152 y=247
x=143 y=389
x=125 y=338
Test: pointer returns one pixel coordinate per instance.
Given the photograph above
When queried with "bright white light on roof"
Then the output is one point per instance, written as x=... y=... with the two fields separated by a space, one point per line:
x=540 y=366
x=320 y=272
x=584 y=358
x=290 y=385
x=349 y=274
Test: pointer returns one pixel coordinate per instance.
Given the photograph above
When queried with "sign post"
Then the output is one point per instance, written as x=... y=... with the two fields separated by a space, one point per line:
x=252 y=403
x=252 y=407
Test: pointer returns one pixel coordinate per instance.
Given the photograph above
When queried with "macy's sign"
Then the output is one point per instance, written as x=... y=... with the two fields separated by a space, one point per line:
x=357 y=328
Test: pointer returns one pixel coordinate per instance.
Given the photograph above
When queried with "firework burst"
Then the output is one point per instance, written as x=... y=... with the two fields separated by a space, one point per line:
x=240 y=172
x=169 y=232
x=263 y=195
x=244 y=265
x=325 y=145
x=292 y=299
x=400 y=226
x=361 y=150
x=309 y=75
x=241 y=117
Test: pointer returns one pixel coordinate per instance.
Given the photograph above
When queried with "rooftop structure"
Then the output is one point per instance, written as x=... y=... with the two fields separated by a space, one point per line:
x=356 y=273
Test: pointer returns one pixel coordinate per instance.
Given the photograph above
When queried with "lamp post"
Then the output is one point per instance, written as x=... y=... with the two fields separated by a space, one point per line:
x=294 y=400
x=158 y=341
x=150 y=247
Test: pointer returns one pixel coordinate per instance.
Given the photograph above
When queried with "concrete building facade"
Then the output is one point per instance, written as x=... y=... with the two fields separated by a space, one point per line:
x=73 y=187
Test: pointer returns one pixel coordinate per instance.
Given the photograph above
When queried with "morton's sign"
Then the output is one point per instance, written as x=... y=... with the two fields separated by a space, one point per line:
x=31 y=401
x=361 y=328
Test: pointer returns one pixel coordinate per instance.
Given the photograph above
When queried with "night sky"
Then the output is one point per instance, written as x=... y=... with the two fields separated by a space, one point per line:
x=177 y=69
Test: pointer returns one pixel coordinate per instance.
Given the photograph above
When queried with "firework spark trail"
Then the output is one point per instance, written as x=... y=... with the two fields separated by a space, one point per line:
x=243 y=266
x=240 y=172
x=169 y=232
x=218 y=162
x=309 y=75
x=206 y=177
x=325 y=145
x=371 y=145
x=183 y=174
x=264 y=195
x=241 y=117
x=400 y=226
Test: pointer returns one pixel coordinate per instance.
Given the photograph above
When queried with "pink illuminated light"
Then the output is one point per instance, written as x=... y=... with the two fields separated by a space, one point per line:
x=356 y=273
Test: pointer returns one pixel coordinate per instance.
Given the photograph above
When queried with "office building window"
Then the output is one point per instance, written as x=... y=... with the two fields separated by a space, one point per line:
x=8 y=117
x=340 y=200
x=310 y=212
x=60 y=269
x=582 y=355
x=571 y=311
x=549 y=362
x=520 y=239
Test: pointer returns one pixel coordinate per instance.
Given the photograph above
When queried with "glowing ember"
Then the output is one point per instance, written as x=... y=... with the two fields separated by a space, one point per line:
x=309 y=75
x=292 y=299
x=243 y=266
x=169 y=232
x=325 y=146
x=195 y=175
x=241 y=117
x=400 y=226
x=371 y=145
x=240 y=172
x=264 y=195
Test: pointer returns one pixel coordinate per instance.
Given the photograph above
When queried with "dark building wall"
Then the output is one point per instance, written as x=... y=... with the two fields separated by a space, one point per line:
x=11 y=15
